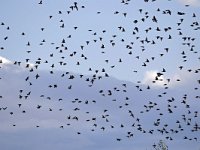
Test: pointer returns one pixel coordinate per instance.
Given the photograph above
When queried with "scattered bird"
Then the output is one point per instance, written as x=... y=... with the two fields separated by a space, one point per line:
x=142 y=42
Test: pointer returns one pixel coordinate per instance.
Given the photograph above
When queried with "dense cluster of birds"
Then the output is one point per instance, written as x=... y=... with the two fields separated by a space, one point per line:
x=143 y=37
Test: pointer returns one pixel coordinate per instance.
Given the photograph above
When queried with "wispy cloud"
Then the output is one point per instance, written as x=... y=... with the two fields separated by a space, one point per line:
x=3 y=60
x=18 y=67
x=195 y=3
x=150 y=76
x=173 y=80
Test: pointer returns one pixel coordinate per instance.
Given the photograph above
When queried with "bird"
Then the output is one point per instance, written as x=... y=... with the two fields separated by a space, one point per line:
x=40 y=2
x=79 y=64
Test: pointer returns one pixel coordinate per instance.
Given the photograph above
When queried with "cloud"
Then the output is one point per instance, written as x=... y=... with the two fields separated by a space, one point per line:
x=150 y=76
x=190 y=2
x=52 y=120
x=4 y=60
x=15 y=66
x=174 y=80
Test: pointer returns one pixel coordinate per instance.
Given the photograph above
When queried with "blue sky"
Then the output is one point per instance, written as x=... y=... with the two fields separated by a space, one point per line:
x=31 y=18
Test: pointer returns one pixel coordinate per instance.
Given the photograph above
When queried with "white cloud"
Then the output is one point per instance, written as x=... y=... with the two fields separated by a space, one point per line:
x=179 y=78
x=4 y=60
x=191 y=2
x=150 y=76
x=8 y=64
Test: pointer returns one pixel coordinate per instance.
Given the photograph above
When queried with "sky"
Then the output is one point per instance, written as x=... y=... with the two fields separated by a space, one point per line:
x=43 y=45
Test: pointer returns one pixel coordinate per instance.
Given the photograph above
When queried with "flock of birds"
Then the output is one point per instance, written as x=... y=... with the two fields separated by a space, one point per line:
x=163 y=35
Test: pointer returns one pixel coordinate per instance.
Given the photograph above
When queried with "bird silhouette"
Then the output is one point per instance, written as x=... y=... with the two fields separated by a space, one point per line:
x=67 y=58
